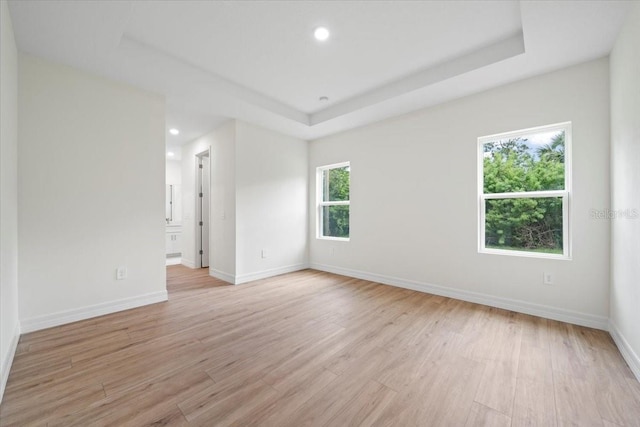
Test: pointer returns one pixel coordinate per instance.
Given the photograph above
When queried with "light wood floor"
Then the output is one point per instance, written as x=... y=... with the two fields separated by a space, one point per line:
x=316 y=349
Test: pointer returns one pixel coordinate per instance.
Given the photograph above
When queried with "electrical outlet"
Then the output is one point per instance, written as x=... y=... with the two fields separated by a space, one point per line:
x=121 y=273
x=264 y=253
x=547 y=278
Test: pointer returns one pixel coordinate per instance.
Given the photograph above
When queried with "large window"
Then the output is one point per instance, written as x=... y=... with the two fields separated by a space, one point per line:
x=524 y=192
x=333 y=201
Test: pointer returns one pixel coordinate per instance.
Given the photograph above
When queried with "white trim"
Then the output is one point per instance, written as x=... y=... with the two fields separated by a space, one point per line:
x=335 y=203
x=333 y=166
x=337 y=239
x=525 y=254
x=526 y=195
x=225 y=277
x=525 y=132
x=188 y=263
x=630 y=356
x=95 y=310
x=249 y=277
x=8 y=361
x=548 y=312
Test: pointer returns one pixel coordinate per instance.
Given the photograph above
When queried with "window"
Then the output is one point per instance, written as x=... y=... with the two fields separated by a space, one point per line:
x=524 y=187
x=333 y=201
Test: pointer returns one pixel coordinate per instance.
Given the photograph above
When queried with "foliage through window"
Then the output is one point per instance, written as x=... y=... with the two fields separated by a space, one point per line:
x=524 y=192
x=333 y=201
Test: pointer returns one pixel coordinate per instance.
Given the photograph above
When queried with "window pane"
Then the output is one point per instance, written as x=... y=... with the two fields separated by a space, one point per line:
x=531 y=224
x=525 y=163
x=335 y=221
x=335 y=184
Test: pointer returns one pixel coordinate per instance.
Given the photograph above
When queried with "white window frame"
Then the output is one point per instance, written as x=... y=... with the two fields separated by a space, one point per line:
x=321 y=203
x=565 y=194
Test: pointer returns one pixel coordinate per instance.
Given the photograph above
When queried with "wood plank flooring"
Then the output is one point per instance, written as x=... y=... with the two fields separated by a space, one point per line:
x=317 y=349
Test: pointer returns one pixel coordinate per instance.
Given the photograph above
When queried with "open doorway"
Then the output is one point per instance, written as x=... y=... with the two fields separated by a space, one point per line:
x=202 y=209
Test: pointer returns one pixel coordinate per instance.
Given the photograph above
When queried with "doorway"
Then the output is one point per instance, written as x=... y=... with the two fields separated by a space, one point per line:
x=202 y=209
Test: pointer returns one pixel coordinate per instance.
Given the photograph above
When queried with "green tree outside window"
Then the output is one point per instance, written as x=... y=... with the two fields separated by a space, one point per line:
x=525 y=164
x=334 y=208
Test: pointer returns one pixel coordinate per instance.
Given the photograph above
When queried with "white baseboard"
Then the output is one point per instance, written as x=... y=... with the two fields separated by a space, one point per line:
x=68 y=316
x=627 y=352
x=188 y=263
x=8 y=360
x=250 y=277
x=554 y=313
x=225 y=277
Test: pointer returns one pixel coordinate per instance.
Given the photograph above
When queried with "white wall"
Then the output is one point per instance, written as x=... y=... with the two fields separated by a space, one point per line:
x=271 y=202
x=91 y=168
x=173 y=172
x=222 y=246
x=625 y=182
x=9 y=324
x=222 y=209
x=414 y=202
x=258 y=201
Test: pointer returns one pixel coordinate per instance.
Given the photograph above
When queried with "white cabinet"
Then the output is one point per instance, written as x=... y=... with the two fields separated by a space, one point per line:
x=173 y=240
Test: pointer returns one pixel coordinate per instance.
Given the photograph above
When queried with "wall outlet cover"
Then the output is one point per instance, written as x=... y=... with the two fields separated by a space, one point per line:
x=121 y=273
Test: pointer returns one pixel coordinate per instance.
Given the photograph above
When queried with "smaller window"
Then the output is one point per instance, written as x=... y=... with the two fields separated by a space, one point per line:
x=333 y=201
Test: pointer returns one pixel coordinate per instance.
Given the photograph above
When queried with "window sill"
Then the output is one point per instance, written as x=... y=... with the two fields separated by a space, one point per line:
x=524 y=254
x=335 y=239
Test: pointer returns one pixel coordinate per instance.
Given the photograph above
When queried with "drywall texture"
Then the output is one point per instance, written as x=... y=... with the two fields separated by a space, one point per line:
x=9 y=325
x=625 y=182
x=271 y=202
x=222 y=230
x=414 y=195
x=91 y=192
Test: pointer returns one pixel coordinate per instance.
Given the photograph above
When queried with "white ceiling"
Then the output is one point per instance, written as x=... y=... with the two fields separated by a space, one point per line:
x=258 y=61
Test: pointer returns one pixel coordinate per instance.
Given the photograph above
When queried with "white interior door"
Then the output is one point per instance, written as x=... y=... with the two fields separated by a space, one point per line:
x=202 y=202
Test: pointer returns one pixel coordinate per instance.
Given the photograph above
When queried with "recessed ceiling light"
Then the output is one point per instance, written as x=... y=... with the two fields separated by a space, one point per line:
x=170 y=153
x=174 y=131
x=321 y=33
x=323 y=99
